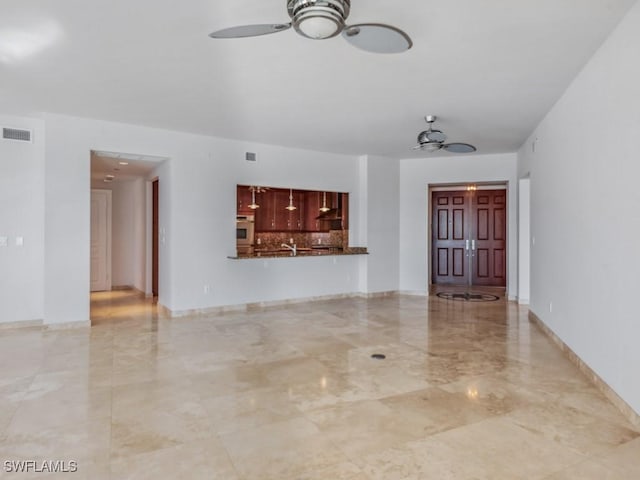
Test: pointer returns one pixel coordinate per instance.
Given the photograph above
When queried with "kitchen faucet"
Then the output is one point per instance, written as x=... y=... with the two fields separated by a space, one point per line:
x=293 y=248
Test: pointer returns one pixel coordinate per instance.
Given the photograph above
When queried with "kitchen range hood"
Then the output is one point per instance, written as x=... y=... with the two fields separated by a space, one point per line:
x=332 y=213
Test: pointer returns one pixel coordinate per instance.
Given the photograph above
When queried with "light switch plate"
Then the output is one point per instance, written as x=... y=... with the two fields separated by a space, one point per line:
x=19 y=241
x=3 y=241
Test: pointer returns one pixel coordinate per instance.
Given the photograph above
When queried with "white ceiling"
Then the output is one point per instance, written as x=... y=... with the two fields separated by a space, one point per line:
x=489 y=69
x=113 y=163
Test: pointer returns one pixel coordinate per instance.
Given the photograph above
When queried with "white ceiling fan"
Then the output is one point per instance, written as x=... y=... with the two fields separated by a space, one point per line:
x=432 y=140
x=322 y=19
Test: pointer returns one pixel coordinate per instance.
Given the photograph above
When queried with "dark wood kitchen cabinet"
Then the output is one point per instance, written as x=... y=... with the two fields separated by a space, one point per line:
x=345 y=210
x=297 y=218
x=281 y=214
x=273 y=216
x=264 y=216
x=243 y=200
x=312 y=204
x=292 y=220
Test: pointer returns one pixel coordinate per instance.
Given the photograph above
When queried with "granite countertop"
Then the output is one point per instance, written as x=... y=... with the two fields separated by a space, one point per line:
x=302 y=252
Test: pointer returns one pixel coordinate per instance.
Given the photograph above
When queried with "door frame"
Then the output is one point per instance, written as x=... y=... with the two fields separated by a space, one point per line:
x=459 y=186
x=155 y=237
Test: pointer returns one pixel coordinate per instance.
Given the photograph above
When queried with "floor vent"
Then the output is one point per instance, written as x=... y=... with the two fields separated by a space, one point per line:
x=16 y=134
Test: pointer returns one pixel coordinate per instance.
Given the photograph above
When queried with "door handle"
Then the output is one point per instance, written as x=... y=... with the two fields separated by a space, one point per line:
x=473 y=244
x=467 y=244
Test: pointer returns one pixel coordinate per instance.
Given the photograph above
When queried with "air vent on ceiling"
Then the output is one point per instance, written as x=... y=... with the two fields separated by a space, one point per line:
x=16 y=134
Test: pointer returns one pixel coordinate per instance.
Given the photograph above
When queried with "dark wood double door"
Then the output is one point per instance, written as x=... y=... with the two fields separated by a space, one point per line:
x=468 y=241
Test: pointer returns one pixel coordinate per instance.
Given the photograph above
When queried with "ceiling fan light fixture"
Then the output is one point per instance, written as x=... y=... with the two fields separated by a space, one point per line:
x=431 y=140
x=318 y=19
x=430 y=146
x=435 y=135
x=318 y=28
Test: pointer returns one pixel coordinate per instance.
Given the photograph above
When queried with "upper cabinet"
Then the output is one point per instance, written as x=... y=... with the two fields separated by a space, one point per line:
x=243 y=200
x=311 y=211
x=291 y=210
x=265 y=214
x=287 y=210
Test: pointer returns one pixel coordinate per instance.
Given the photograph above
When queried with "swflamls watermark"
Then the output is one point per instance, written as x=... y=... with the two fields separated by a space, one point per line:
x=40 y=466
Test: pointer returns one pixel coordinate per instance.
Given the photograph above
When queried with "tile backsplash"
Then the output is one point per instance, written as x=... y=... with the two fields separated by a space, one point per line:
x=333 y=238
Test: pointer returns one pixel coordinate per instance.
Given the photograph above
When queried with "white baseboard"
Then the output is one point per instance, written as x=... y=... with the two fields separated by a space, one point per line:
x=21 y=324
x=68 y=325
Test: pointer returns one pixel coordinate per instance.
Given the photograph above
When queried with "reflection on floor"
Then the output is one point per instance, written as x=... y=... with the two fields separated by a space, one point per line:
x=467 y=391
x=120 y=306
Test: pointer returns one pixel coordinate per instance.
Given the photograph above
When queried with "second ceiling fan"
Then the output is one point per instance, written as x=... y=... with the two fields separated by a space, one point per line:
x=322 y=19
x=432 y=140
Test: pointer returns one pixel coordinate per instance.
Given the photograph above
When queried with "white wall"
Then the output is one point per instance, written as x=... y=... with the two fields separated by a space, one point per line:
x=383 y=223
x=22 y=215
x=122 y=239
x=524 y=240
x=415 y=177
x=584 y=212
x=197 y=216
x=140 y=240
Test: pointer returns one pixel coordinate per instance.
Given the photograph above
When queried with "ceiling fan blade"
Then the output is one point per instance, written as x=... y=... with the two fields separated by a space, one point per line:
x=243 y=31
x=459 y=148
x=377 y=38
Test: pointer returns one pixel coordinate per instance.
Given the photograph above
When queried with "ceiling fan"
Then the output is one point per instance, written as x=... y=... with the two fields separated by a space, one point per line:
x=322 y=19
x=432 y=140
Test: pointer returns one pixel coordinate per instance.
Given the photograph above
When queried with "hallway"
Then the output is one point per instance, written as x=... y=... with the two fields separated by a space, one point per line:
x=467 y=391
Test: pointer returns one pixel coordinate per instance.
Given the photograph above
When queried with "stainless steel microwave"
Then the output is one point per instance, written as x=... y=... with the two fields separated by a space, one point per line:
x=244 y=230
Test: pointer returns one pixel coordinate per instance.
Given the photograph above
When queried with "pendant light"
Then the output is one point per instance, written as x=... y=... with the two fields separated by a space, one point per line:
x=291 y=206
x=253 y=205
x=324 y=207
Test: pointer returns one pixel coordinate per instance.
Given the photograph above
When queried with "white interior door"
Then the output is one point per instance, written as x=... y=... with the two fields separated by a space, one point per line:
x=100 y=240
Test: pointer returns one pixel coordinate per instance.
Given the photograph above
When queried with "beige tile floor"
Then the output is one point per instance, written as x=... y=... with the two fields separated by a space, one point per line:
x=467 y=391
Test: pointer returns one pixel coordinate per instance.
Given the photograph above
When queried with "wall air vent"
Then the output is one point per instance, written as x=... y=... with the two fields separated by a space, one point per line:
x=16 y=134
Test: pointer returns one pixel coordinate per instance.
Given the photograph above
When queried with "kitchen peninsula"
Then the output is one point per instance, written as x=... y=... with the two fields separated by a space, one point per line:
x=281 y=222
